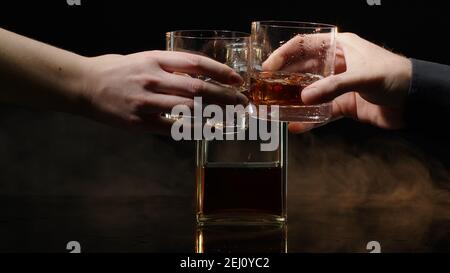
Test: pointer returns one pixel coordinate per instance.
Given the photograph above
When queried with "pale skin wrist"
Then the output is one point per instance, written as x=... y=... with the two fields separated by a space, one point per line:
x=398 y=79
x=71 y=85
x=126 y=90
x=79 y=93
x=405 y=74
x=38 y=75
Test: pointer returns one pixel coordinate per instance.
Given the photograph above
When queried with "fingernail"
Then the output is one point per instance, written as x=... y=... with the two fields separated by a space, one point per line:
x=242 y=99
x=308 y=93
x=236 y=78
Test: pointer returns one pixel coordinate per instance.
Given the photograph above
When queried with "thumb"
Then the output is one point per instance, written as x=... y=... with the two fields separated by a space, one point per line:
x=327 y=89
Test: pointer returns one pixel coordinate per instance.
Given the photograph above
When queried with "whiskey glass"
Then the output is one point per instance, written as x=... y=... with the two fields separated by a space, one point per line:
x=285 y=57
x=225 y=46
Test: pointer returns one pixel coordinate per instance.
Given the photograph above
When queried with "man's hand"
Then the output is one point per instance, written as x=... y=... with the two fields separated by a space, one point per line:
x=370 y=85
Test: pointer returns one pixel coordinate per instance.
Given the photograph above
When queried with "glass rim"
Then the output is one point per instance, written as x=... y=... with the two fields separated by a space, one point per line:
x=214 y=34
x=295 y=24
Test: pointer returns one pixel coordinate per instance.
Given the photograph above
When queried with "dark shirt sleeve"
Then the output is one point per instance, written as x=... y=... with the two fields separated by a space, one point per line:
x=428 y=103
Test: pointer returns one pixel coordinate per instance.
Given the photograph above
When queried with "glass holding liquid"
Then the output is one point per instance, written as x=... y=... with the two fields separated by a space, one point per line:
x=285 y=58
x=238 y=183
x=228 y=47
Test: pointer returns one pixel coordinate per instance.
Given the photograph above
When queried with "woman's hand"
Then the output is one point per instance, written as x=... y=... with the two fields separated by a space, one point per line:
x=131 y=90
x=134 y=90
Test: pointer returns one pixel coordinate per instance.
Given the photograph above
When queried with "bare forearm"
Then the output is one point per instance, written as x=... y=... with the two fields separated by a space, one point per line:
x=126 y=90
x=39 y=75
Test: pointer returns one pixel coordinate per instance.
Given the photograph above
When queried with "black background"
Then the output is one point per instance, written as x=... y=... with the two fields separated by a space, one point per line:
x=45 y=155
x=414 y=28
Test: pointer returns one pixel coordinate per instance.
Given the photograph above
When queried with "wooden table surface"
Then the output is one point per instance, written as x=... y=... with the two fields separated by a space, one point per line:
x=63 y=178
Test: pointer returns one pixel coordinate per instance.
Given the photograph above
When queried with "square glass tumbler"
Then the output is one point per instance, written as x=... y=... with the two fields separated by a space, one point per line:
x=238 y=183
x=285 y=57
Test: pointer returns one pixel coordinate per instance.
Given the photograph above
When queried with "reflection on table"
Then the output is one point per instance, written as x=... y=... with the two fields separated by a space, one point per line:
x=241 y=239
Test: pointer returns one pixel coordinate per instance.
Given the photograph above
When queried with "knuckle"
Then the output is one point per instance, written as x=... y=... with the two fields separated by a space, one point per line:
x=154 y=53
x=189 y=103
x=138 y=105
x=335 y=82
x=150 y=57
x=227 y=72
x=151 y=82
x=129 y=100
x=194 y=61
x=132 y=120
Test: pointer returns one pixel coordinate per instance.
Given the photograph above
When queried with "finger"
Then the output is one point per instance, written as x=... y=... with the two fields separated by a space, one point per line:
x=154 y=113
x=314 y=64
x=339 y=110
x=327 y=89
x=190 y=87
x=280 y=57
x=299 y=49
x=161 y=103
x=288 y=62
x=301 y=128
x=303 y=66
x=195 y=64
x=156 y=124
x=340 y=65
x=345 y=106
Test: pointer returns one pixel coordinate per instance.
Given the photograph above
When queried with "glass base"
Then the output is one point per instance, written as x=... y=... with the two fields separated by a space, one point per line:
x=240 y=219
x=306 y=113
